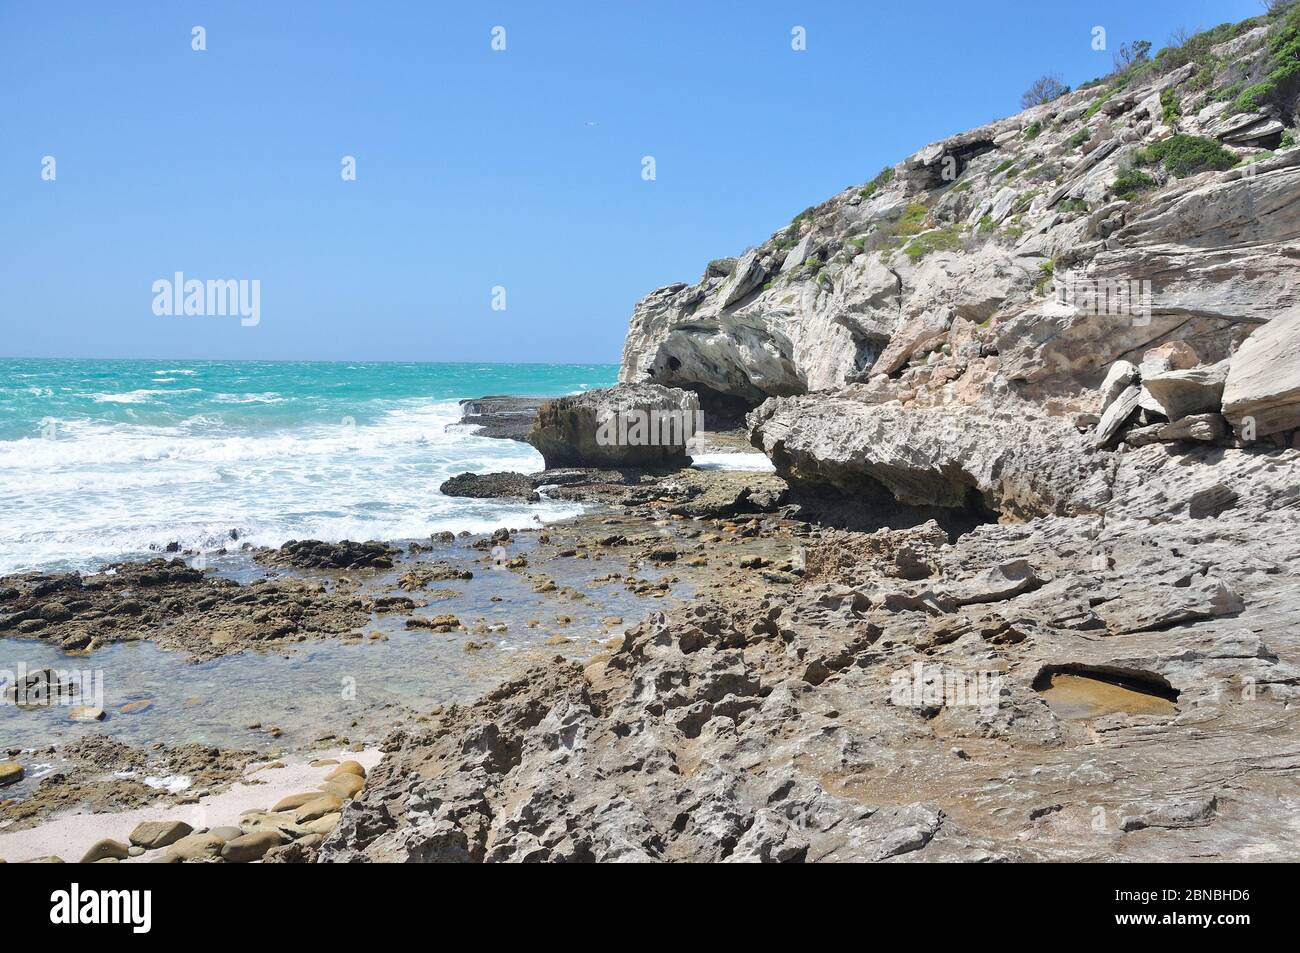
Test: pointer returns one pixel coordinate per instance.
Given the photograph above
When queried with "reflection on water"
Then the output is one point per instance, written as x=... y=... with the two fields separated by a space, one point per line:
x=335 y=687
x=1079 y=697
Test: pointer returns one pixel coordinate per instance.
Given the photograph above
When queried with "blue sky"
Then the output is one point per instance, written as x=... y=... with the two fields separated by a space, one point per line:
x=475 y=168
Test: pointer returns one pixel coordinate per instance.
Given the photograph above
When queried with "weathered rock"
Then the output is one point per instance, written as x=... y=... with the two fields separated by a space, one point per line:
x=1116 y=416
x=106 y=849
x=1205 y=427
x=195 y=847
x=639 y=425
x=506 y=418
x=315 y=554
x=152 y=835
x=1119 y=378
x=1263 y=382
x=10 y=773
x=1181 y=393
x=250 y=847
x=491 y=486
x=1012 y=464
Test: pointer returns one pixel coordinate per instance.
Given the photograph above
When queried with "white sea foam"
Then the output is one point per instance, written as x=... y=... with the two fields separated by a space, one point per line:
x=103 y=491
x=749 y=462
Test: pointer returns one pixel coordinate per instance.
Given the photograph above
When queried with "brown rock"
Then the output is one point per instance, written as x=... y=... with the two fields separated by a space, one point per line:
x=319 y=807
x=106 y=849
x=292 y=802
x=196 y=847
x=347 y=767
x=344 y=786
x=250 y=847
x=10 y=773
x=152 y=835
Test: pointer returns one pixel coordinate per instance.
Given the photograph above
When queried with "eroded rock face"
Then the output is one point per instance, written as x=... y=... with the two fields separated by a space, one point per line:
x=637 y=425
x=1017 y=466
x=491 y=486
x=893 y=708
x=1264 y=381
x=988 y=244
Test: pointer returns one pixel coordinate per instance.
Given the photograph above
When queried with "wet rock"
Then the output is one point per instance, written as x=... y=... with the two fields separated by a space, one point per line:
x=491 y=486
x=505 y=418
x=640 y=425
x=316 y=554
x=10 y=773
x=439 y=623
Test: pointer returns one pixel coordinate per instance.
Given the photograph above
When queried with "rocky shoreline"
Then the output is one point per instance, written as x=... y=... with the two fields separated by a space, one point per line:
x=1023 y=585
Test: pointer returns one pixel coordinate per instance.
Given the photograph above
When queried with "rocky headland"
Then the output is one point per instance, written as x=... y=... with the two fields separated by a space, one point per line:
x=1033 y=394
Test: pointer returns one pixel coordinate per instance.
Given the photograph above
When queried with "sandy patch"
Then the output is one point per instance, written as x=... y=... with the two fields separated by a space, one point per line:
x=71 y=835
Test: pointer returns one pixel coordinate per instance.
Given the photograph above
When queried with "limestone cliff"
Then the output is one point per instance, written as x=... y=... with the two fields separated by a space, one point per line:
x=973 y=267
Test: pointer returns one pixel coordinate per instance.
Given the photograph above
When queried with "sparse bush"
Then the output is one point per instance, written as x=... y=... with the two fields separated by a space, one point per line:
x=1032 y=132
x=1043 y=90
x=1169 y=106
x=1131 y=183
x=940 y=239
x=883 y=178
x=1079 y=138
x=1283 y=63
x=1288 y=139
x=1132 y=54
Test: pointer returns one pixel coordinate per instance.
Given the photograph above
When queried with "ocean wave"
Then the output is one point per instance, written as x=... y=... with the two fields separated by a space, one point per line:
x=101 y=491
x=140 y=396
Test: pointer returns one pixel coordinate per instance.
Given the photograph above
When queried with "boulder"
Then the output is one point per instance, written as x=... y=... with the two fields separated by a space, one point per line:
x=631 y=425
x=1116 y=416
x=1012 y=464
x=1182 y=393
x=152 y=835
x=317 y=807
x=106 y=849
x=1263 y=383
x=1121 y=375
x=485 y=486
x=250 y=847
x=10 y=773
x=748 y=275
x=1204 y=427
x=195 y=847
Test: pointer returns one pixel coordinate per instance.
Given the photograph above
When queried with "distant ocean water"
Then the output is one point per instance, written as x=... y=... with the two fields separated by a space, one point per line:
x=101 y=460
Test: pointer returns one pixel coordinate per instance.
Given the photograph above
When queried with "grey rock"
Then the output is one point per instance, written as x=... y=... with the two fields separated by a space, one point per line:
x=1264 y=379
x=632 y=425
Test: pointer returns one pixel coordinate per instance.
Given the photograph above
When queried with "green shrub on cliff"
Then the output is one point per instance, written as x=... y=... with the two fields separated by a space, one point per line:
x=1187 y=155
x=883 y=178
x=940 y=239
x=1131 y=183
x=1079 y=138
x=1283 y=65
x=1169 y=106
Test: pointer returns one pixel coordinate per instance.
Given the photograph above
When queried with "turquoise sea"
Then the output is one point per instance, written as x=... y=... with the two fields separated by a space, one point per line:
x=101 y=460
